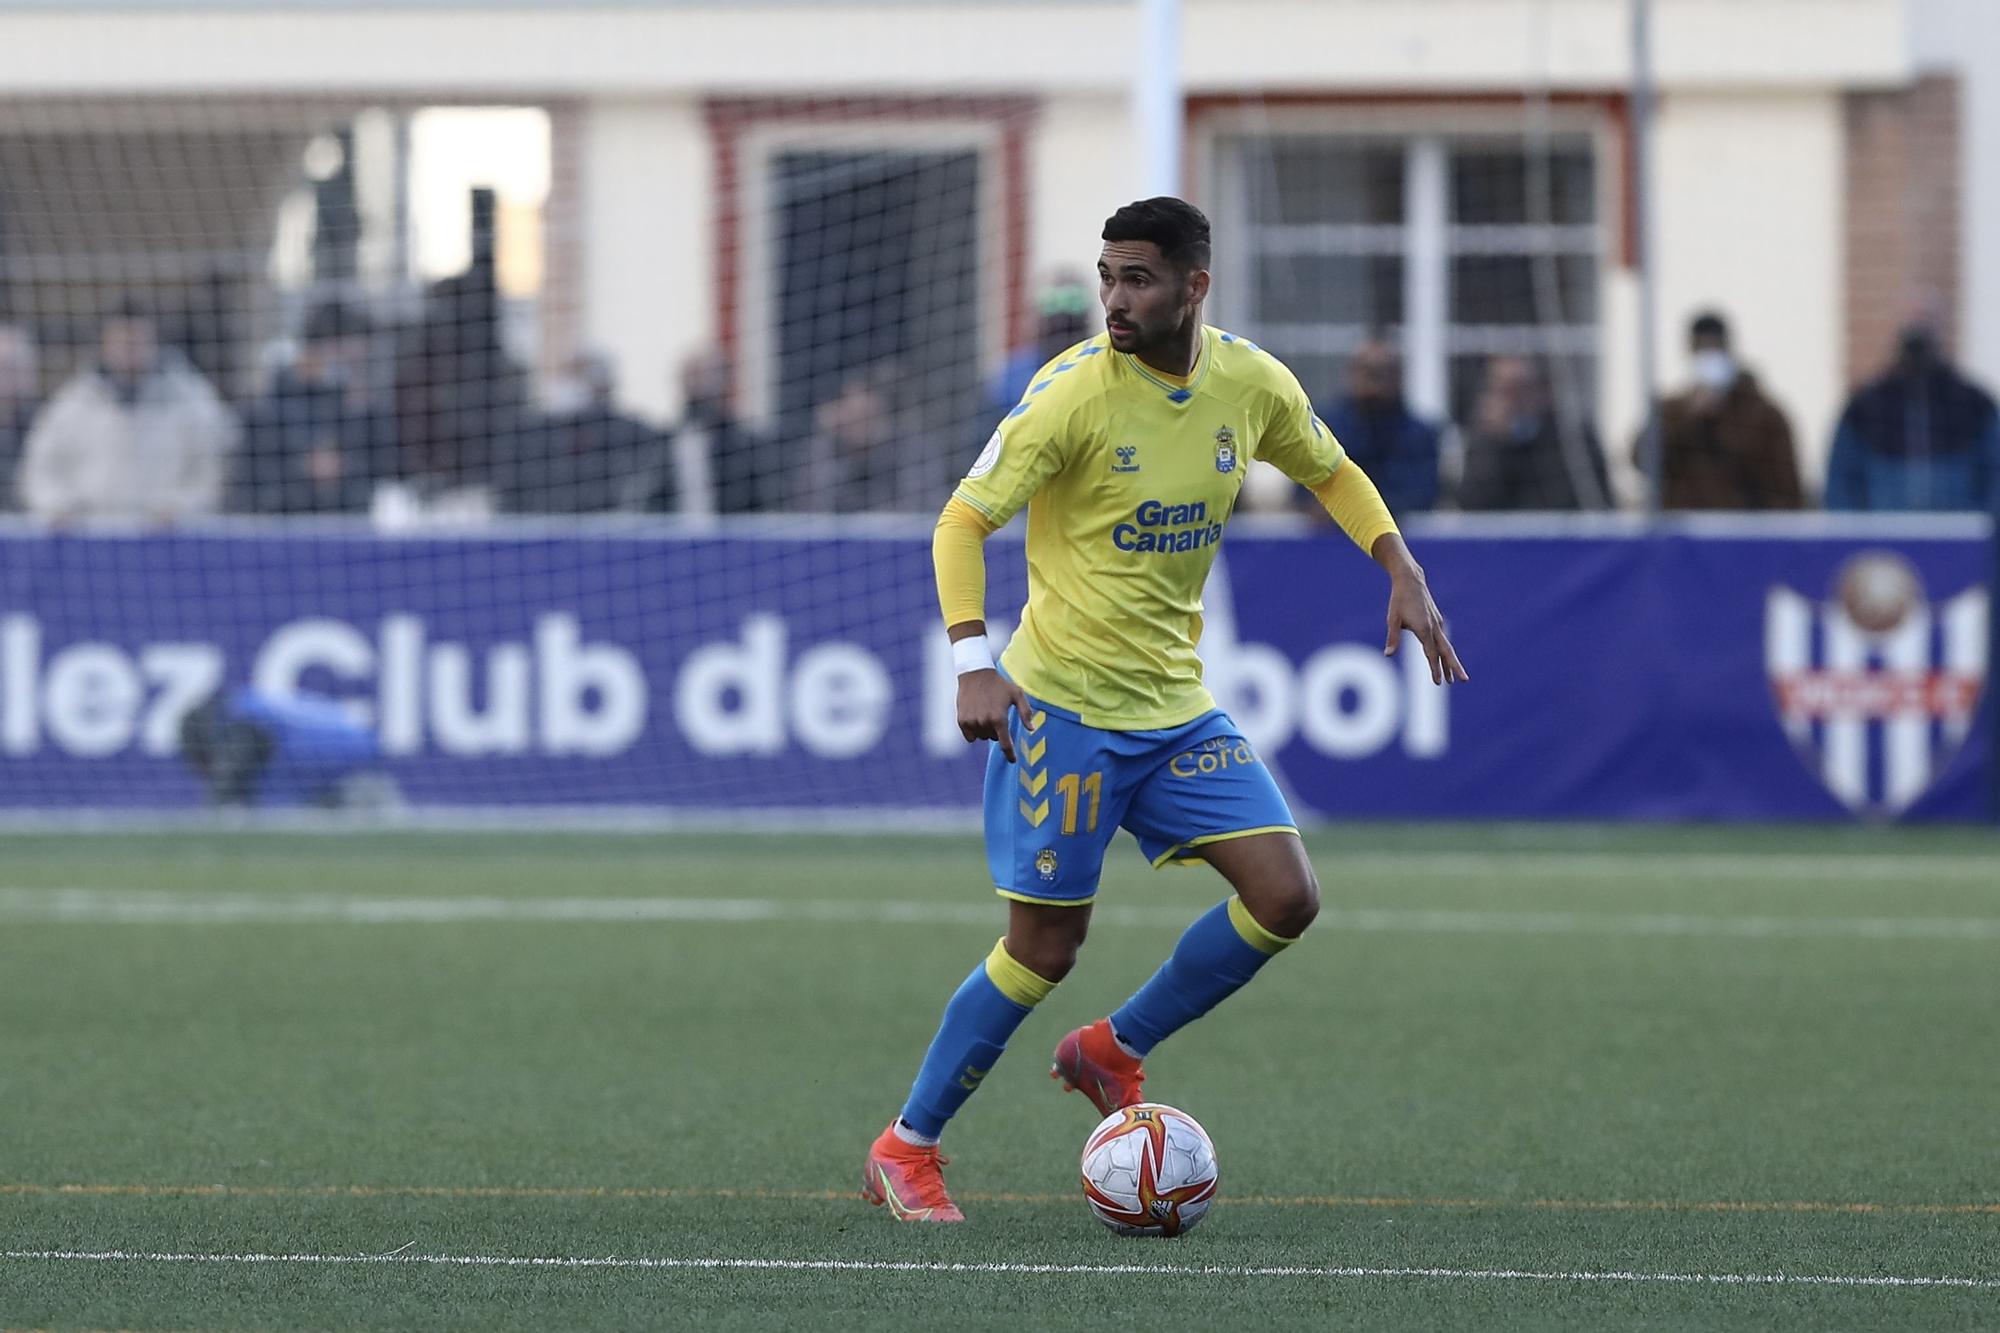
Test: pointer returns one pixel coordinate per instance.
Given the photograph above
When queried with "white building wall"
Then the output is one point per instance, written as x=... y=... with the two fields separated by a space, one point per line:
x=731 y=46
x=1082 y=169
x=648 y=242
x=1750 y=222
x=1749 y=137
x=1450 y=44
x=942 y=46
x=648 y=201
x=1964 y=36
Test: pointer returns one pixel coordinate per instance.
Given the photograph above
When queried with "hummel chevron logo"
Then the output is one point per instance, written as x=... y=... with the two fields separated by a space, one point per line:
x=1034 y=782
x=1034 y=814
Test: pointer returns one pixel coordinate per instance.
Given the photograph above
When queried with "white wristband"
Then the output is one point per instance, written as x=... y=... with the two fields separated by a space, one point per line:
x=973 y=654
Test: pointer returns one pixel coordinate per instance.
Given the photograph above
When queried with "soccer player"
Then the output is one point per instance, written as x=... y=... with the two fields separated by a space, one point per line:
x=1128 y=450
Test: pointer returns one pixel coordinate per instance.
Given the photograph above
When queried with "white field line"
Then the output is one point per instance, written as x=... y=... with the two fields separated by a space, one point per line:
x=1683 y=867
x=1679 y=868
x=1479 y=868
x=912 y=1266
x=130 y=907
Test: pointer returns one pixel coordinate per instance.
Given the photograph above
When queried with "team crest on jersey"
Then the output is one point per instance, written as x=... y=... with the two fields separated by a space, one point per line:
x=1225 y=450
x=1045 y=863
x=988 y=457
x=1128 y=458
x=1877 y=687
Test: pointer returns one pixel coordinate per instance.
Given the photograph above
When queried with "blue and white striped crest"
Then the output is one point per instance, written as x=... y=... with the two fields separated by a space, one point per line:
x=1876 y=687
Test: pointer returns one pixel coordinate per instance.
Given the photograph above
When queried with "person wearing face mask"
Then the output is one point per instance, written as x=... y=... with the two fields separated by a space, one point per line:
x=1920 y=437
x=319 y=438
x=1725 y=445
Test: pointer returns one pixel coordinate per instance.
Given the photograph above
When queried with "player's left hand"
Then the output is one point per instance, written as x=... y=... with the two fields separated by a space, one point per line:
x=985 y=698
x=1411 y=608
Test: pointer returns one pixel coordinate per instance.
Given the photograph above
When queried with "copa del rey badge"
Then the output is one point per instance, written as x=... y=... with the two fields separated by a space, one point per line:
x=1877 y=687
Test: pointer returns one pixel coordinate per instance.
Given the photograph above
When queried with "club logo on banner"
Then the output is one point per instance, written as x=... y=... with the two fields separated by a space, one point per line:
x=1877 y=687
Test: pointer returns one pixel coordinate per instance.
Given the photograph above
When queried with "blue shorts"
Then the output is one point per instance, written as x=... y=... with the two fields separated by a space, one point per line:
x=1050 y=816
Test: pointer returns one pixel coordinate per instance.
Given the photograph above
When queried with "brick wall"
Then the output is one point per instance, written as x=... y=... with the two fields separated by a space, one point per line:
x=1904 y=212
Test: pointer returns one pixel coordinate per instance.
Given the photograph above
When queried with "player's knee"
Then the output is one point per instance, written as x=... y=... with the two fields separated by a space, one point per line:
x=1289 y=906
x=1304 y=905
x=1047 y=950
x=1049 y=958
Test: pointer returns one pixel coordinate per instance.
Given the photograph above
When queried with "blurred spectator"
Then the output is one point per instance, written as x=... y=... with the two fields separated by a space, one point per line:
x=587 y=458
x=1062 y=321
x=1518 y=455
x=460 y=401
x=136 y=433
x=857 y=459
x=1724 y=444
x=721 y=465
x=20 y=396
x=317 y=440
x=1920 y=437
x=1394 y=446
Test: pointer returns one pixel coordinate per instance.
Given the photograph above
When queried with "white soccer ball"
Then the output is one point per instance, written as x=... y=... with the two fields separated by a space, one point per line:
x=1149 y=1170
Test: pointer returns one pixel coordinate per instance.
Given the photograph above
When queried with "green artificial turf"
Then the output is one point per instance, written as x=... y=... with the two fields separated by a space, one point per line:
x=1545 y=1051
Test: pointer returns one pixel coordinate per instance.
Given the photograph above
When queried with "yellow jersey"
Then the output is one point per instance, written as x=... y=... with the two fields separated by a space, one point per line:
x=1130 y=476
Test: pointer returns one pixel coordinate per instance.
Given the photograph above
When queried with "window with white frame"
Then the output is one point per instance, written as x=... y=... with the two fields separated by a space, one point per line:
x=1457 y=246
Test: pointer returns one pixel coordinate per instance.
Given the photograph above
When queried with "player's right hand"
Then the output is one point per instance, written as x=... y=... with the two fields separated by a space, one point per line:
x=984 y=700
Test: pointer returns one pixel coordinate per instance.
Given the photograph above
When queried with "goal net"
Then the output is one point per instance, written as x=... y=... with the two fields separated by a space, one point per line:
x=576 y=456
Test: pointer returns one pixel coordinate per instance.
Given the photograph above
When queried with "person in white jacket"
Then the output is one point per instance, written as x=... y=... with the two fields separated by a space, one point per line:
x=137 y=434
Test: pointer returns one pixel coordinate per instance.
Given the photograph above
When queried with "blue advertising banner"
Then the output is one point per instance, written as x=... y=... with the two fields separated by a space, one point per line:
x=1782 y=671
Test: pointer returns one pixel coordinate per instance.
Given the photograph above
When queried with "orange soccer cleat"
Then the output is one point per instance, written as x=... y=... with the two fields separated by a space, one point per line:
x=1090 y=1061
x=909 y=1179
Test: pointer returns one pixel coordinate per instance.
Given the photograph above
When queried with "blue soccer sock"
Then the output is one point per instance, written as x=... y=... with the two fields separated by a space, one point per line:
x=981 y=1016
x=1215 y=957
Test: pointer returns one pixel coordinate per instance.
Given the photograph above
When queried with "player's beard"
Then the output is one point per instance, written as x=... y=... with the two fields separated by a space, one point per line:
x=1159 y=335
x=1148 y=341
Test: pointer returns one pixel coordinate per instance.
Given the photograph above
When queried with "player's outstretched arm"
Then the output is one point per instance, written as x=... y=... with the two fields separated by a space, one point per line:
x=1412 y=608
x=1354 y=503
x=958 y=557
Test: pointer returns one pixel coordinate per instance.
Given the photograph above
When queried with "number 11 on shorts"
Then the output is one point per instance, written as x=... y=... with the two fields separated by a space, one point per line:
x=1072 y=787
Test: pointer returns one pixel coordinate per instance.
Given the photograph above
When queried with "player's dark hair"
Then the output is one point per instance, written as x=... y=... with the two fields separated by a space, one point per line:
x=1175 y=225
x=1709 y=324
